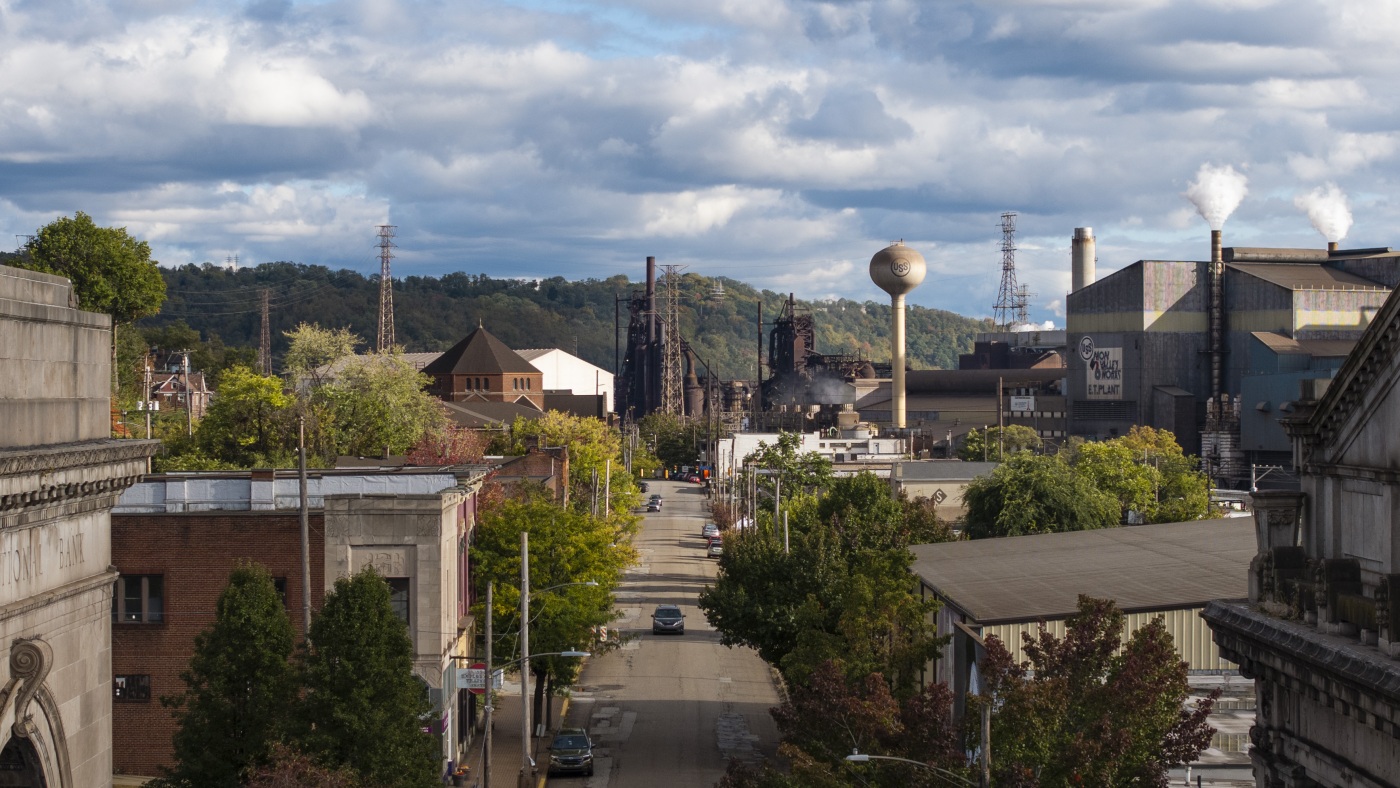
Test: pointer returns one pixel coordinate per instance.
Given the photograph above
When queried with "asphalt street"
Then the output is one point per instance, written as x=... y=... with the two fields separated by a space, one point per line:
x=671 y=709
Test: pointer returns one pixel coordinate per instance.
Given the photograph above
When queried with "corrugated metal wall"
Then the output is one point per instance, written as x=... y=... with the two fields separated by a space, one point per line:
x=1188 y=630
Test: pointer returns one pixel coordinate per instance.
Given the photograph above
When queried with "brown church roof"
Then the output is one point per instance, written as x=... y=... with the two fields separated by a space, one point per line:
x=480 y=354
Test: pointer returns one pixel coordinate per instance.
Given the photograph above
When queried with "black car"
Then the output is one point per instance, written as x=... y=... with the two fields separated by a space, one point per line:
x=668 y=618
x=571 y=752
x=644 y=486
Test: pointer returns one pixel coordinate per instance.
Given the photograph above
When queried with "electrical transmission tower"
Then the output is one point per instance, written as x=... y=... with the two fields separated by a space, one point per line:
x=386 y=288
x=672 y=362
x=265 y=343
x=1011 y=300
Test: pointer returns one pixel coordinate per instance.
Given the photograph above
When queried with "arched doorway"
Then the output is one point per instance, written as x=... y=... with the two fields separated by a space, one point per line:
x=19 y=765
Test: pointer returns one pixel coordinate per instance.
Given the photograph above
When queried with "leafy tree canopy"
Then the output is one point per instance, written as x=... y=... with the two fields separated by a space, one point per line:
x=250 y=423
x=363 y=708
x=995 y=444
x=311 y=349
x=111 y=272
x=1033 y=494
x=674 y=441
x=1080 y=711
x=377 y=404
x=238 y=687
x=593 y=448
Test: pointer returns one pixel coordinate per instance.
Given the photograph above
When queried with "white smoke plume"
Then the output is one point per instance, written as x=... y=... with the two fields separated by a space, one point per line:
x=1327 y=210
x=1216 y=193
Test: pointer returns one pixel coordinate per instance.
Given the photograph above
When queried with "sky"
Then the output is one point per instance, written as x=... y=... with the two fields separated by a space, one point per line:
x=776 y=142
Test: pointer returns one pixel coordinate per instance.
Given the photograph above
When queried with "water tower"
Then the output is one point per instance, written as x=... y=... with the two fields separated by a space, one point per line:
x=897 y=270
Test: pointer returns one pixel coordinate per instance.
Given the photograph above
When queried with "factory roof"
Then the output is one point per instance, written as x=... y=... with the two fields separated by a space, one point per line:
x=942 y=470
x=1316 y=348
x=930 y=381
x=1143 y=568
x=479 y=414
x=1306 y=276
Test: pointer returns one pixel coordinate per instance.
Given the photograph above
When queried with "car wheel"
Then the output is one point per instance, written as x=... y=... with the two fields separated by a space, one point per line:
x=589 y=773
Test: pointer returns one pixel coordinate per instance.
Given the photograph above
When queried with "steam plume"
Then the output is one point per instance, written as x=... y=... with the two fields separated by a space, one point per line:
x=1216 y=193
x=1327 y=210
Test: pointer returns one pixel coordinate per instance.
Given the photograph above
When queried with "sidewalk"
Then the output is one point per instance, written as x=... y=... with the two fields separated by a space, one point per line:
x=506 y=757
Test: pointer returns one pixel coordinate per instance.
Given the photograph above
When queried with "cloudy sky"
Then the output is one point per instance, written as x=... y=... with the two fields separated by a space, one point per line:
x=779 y=142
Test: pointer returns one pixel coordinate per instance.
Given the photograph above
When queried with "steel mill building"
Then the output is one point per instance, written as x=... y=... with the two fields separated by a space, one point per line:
x=1215 y=350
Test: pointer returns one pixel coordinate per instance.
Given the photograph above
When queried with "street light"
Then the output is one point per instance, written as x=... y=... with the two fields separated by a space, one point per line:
x=956 y=779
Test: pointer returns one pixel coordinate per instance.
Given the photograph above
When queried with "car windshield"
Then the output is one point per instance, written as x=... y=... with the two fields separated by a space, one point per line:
x=662 y=612
x=571 y=743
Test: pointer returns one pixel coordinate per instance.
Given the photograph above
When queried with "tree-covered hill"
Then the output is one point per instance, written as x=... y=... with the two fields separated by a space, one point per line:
x=433 y=313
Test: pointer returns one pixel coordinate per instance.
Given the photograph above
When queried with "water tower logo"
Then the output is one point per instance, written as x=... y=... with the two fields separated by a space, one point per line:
x=899 y=266
x=1086 y=347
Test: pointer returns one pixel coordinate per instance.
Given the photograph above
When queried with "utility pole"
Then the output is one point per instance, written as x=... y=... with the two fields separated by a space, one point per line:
x=526 y=763
x=1001 y=424
x=490 y=677
x=386 y=289
x=189 y=397
x=146 y=400
x=305 y=512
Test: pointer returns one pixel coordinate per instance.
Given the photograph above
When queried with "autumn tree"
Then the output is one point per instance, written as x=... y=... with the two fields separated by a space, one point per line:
x=363 y=708
x=594 y=448
x=1034 y=494
x=1083 y=711
x=312 y=350
x=238 y=686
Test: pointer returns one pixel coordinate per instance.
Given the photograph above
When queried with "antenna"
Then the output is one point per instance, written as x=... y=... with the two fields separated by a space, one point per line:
x=386 y=288
x=1011 y=300
x=265 y=345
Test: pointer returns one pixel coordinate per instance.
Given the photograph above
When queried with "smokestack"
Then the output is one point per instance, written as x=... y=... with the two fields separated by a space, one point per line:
x=651 y=298
x=1331 y=247
x=1217 y=315
x=1082 y=259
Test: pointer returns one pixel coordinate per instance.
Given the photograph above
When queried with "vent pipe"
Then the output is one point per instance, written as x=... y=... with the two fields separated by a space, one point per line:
x=1217 y=315
x=1082 y=259
x=1331 y=247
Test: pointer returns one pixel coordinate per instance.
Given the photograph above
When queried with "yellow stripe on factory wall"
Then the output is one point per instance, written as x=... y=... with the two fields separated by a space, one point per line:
x=1189 y=633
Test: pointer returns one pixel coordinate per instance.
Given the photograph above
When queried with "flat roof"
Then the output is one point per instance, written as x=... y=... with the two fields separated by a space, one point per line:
x=1144 y=568
x=1318 y=348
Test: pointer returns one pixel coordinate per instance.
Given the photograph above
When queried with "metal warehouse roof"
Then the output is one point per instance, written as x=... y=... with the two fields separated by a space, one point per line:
x=1306 y=276
x=1144 y=568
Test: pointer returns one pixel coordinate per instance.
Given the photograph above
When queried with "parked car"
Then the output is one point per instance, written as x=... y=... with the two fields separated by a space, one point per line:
x=571 y=752
x=668 y=618
x=716 y=548
x=709 y=530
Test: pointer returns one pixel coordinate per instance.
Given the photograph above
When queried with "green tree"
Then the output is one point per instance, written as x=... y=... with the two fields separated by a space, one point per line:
x=111 y=272
x=1083 y=711
x=841 y=591
x=674 y=441
x=311 y=350
x=377 y=404
x=796 y=471
x=1033 y=494
x=250 y=422
x=592 y=446
x=363 y=708
x=994 y=444
x=566 y=547
x=1182 y=490
x=238 y=687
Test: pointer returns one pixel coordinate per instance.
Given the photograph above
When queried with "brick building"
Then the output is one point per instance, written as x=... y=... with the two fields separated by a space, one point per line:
x=176 y=538
x=481 y=368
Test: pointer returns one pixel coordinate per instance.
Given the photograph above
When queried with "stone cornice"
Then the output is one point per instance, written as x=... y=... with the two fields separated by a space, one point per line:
x=1249 y=634
x=1371 y=360
x=42 y=459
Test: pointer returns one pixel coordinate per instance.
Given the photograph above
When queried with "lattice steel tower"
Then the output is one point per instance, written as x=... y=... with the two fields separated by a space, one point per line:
x=386 y=288
x=1011 y=305
x=672 y=360
x=265 y=341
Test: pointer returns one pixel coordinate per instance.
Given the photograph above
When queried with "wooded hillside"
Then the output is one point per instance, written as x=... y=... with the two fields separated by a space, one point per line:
x=433 y=313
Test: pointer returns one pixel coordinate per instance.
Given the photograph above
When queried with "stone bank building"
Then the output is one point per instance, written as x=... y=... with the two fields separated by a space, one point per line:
x=60 y=475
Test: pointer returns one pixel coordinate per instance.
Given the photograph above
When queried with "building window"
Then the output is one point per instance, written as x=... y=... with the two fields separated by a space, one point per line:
x=280 y=583
x=398 y=597
x=139 y=599
x=131 y=687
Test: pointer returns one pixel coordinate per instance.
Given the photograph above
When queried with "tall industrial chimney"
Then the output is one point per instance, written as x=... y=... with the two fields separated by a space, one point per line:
x=1217 y=316
x=897 y=270
x=1082 y=259
x=1331 y=247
